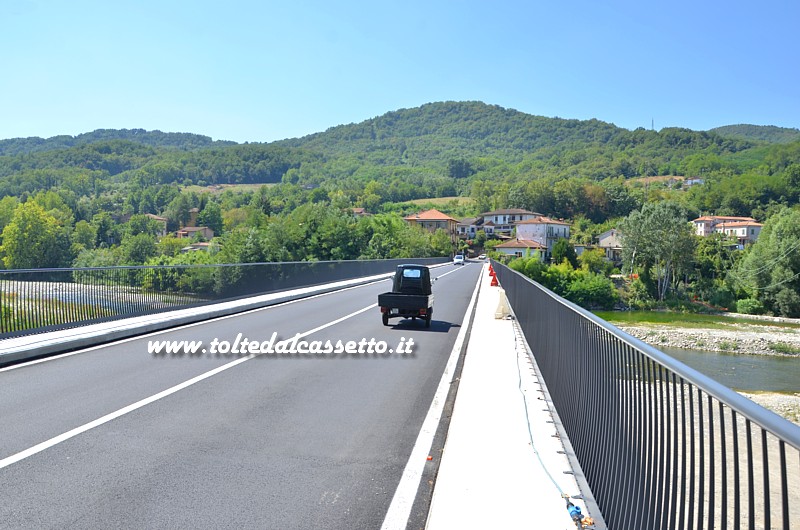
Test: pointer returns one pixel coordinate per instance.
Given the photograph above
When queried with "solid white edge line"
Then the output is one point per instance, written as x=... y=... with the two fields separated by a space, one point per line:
x=403 y=500
x=38 y=448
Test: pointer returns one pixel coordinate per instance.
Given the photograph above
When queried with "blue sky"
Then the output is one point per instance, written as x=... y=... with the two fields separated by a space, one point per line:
x=267 y=70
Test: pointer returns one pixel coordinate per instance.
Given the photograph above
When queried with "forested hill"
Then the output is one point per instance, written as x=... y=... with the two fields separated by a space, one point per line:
x=435 y=150
x=761 y=133
x=438 y=132
x=184 y=141
x=467 y=128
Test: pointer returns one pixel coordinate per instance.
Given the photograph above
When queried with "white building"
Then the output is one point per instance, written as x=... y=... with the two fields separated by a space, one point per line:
x=745 y=229
x=611 y=244
x=543 y=230
x=468 y=228
x=504 y=220
x=520 y=247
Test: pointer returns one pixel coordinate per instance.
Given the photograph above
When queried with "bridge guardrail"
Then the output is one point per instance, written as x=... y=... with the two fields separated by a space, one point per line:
x=661 y=445
x=41 y=300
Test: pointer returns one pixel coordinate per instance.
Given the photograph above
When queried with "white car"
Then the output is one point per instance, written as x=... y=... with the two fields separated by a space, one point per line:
x=482 y=257
x=458 y=259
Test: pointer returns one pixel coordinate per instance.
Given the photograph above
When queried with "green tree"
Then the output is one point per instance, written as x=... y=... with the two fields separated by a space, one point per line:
x=770 y=269
x=141 y=224
x=7 y=206
x=84 y=235
x=594 y=260
x=659 y=237
x=562 y=250
x=178 y=211
x=480 y=238
x=137 y=249
x=106 y=229
x=482 y=193
x=54 y=204
x=459 y=168
x=98 y=257
x=441 y=245
x=34 y=239
x=170 y=245
x=211 y=216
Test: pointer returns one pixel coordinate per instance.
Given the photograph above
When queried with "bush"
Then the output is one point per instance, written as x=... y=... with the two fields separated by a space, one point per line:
x=591 y=291
x=722 y=297
x=749 y=306
x=638 y=296
x=531 y=266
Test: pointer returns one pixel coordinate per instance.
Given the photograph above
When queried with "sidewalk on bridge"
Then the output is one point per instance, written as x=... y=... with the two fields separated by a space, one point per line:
x=490 y=475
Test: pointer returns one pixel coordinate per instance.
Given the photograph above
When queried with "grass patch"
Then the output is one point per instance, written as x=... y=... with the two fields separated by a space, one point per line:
x=685 y=320
x=439 y=201
x=782 y=347
x=728 y=346
x=219 y=188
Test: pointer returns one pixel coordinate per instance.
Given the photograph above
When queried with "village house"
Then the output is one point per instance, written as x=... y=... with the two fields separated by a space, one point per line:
x=692 y=181
x=505 y=220
x=189 y=232
x=162 y=224
x=360 y=212
x=468 y=228
x=611 y=244
x=544 y=230
x=432 y=220
x=744 y=229
x=520 y=247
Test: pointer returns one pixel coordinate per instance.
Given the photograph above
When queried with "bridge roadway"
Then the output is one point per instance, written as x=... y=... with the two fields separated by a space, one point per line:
x=116 y=437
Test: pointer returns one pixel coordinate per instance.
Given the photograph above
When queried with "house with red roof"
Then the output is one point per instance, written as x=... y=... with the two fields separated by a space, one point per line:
x=504 y=220
x=520 y=247
x=432 y=220
x=745 y=229
x=543 y=230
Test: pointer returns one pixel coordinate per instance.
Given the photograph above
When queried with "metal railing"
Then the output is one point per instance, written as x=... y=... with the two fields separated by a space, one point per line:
x=38 y=300
x=660 y=444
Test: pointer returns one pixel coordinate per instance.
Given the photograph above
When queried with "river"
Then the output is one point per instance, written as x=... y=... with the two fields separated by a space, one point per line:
x=746 y=373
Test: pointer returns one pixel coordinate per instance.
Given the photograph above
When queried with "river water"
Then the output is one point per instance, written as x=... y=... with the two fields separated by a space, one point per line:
x=747 y=373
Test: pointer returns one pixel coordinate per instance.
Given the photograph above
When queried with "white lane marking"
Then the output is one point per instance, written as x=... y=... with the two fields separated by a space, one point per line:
x=184 y=326
x=403 y=500
x=449 y=272
x=5 y=462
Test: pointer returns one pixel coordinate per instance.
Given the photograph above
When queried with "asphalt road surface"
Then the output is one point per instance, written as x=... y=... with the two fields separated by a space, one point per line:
x=117 y=437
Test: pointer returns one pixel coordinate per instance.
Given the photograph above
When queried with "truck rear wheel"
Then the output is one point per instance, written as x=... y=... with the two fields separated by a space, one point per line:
x=385 y=318
x=428 y=317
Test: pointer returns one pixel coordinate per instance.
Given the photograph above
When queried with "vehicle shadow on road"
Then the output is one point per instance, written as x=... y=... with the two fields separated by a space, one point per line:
x=437 y=326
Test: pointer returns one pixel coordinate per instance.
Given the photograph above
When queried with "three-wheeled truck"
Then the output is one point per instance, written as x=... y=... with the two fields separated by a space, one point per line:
x=410 y=296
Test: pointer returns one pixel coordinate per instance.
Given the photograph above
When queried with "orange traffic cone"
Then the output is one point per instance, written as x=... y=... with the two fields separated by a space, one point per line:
x=491 y=270
x=494 y=281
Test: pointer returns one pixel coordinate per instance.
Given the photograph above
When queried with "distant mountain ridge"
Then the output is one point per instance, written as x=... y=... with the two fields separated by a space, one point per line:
x=437 y=146
x=759 y=133
x=184 y=141
x=471 y=127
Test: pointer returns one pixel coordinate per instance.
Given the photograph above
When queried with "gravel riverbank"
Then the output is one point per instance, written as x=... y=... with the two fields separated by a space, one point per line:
x=738 y=337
